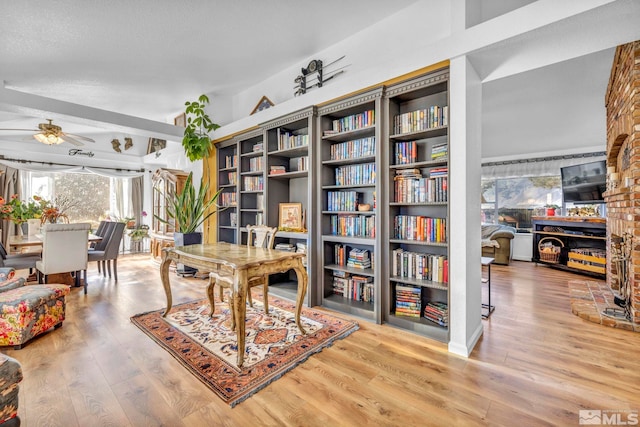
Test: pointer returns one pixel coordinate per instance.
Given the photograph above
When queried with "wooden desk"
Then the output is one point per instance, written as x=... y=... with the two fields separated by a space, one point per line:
x=245 y=262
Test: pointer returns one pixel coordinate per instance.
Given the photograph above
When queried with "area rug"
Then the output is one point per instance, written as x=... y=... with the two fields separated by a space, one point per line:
x=207 y=346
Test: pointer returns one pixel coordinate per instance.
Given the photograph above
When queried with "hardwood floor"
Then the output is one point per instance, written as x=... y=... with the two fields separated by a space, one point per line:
x=536 y=364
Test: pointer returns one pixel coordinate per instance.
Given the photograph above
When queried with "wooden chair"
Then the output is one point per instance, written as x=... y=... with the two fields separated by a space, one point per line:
x=258 y=236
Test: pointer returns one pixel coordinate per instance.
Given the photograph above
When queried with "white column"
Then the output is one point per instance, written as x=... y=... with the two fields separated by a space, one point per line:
x=465 y=100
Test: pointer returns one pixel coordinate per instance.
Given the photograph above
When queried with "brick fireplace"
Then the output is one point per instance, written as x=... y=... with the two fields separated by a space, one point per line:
x=623 y=167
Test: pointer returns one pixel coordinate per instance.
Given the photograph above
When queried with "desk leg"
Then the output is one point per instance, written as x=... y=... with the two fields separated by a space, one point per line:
x=301 y=274
x=164 y=275
x=490 y=308
x=239 y=309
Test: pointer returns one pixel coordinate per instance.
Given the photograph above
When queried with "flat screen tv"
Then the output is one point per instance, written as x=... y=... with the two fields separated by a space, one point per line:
x=584 y=183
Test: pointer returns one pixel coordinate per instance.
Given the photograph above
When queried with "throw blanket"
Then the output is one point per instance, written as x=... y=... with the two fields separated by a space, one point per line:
x=487 y=231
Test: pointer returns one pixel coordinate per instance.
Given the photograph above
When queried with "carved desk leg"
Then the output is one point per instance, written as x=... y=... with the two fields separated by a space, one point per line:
x=239 y=309
x=164 y=276
x=212 y=302
x=301 y=274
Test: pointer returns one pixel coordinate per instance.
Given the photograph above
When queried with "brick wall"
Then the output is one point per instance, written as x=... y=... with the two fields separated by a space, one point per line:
x=623 y=156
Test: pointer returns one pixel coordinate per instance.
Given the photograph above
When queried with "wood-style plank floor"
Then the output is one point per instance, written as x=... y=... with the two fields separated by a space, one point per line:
x=536 y=364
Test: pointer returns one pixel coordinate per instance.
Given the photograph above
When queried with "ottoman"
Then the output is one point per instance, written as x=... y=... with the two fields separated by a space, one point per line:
x=27 y=311
x=10 y=376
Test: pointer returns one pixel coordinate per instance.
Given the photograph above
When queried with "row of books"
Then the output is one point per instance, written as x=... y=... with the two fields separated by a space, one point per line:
x=232 y=178
x=231 y=161
x=408 y=300
x=356 y=121
x=228 y=199
x=353 y=225
x=256 y=164
x=259 y=218
x=302 y=248
x=353 y=287
x=420 y=190
x=299 y=163
x=423 y=119
x=437 y=312
x=420 y=266
x=288 y=140
x=257 y=147
x=353 y=149
x=260 y=201
x=343 y=201
x=420 y=228
x=359 y=258
x=359 y=174
x=440 y=151
x=253 y=183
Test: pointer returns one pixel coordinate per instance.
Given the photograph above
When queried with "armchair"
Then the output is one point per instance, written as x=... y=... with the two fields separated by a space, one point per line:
x=64 y=250
x=496 y=242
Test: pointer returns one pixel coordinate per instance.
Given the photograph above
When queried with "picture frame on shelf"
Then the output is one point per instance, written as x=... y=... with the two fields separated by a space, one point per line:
x=290 y=218
x=155 y=145
x=180 y=120
x=263 y=104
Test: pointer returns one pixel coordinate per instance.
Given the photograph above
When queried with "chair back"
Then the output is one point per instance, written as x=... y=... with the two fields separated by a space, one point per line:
x=261 y=236
x=114 y=238
x=101 y=228
x=105 y=233
x=64 y=248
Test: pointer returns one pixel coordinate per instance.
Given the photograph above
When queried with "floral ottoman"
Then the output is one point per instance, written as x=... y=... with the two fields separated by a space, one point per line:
x=28 y=310
x=10 y=376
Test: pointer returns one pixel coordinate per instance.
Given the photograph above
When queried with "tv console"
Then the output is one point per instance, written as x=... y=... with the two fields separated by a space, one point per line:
x=572 y=243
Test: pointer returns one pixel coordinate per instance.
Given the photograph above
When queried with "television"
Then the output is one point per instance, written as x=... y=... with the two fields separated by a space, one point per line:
x=584 y=183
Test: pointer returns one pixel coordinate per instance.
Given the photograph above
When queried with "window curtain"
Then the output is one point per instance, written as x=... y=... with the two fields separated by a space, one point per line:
x=137 y=193
x=9 y=185
x=546 y=166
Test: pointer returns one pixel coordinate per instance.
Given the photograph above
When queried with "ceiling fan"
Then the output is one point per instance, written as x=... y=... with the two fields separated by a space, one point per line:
x=51 y=134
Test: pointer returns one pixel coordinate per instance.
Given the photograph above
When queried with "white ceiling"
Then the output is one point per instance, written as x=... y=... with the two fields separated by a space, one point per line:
x=144 y=58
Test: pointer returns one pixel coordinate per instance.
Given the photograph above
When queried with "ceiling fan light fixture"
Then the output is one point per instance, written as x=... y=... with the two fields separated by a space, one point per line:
x=50 y=139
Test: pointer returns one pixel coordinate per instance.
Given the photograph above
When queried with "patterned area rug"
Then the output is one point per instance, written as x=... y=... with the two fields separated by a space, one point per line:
x=207 y=346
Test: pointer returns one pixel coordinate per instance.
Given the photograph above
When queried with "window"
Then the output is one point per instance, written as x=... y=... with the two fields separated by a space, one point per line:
x=513 y=201
x=93 y=197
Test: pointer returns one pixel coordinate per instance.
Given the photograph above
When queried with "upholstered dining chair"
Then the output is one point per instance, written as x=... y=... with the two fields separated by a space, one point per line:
x=108 y=248
x=64 y=250
x=18 y=261
x=258 y=236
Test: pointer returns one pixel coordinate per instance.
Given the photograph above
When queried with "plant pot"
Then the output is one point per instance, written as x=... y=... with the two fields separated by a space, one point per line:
x=186 y=239
x=25 y=229
x=551 y=212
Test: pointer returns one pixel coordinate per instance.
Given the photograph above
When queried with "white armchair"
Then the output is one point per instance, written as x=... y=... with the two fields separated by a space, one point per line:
x=64 y=250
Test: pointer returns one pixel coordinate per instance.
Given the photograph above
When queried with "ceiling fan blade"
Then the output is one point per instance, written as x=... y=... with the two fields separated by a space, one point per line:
x=78 y=137
x=25 y=130
x=71 y=140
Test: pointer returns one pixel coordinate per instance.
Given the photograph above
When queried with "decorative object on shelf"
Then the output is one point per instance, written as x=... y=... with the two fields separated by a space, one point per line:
x=550 y=252
x=156 y=145
x=551 y=209
x=128 y=143
x=306 y=80
x=196 y=141
x=290 y=218
x=180 y=120
x=364 y=207
x=263 y=104
x=115 y=143
x=584 y=211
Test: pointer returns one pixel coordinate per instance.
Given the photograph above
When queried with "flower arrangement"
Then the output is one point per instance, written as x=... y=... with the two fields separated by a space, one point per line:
x=55 y=211
x=19 y=211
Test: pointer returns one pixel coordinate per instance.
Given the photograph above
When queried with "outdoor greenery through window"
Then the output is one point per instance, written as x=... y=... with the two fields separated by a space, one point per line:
x=89 y=197
x=513 y=201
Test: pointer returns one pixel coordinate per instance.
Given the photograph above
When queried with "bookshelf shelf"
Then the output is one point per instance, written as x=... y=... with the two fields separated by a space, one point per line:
x=252 y=173
x=417 y=189
x=291 y=152
x=289 y=175
x=349 y=168
x=253 y=154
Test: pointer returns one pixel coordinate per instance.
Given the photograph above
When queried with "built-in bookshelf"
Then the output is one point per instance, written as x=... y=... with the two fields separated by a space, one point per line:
x=228 y=180
x=252 y=175
x=290 y=180
x=349 y=166
x=416 y=215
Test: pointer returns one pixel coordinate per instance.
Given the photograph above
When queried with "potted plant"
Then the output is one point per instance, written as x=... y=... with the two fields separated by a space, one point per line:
x=189 y=209
x=196 y=141
x=551 y=209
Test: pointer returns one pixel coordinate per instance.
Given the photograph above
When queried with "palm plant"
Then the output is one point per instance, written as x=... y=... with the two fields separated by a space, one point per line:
x=188 y=208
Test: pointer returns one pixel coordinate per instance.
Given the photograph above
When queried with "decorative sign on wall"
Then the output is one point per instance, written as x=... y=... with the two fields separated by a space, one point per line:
x=78 y=152
x=316 y=74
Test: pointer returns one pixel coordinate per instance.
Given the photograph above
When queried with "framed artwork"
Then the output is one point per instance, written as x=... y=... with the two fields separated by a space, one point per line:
x=263 y=104
x=156 y=144
x=181 y=120
x=290 y=218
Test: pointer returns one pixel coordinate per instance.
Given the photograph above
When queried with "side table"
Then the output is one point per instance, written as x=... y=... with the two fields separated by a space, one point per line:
x=487 y=261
